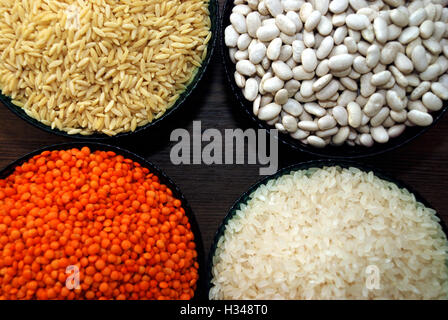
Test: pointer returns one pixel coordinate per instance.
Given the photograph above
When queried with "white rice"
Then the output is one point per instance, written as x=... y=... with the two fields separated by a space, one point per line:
x=331 y=233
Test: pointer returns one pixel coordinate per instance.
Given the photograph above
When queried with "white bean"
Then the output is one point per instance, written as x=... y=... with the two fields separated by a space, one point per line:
x=366 y=140
x=346 y=96
x=293 y=107
x=294 y=17
x=308 y=125
x=403 y=63
x=351 y=45
x=308 y=39
x=231 y=36
x=394 y=101
x=273 y=84
x=300 y=74
x=309 y=60
x=342 y=135
x=243 y=41
x=338 y=6
x=292 y=5
x=381 y=78
x=289 y=123
x=399 y=18
x=320 y=83
x=280 y=127
x=348 y=83
x=306 y=89
x=326 y=122
x=251 y=90
x=396 y=130
x=285 y=25
x=256 y=105
x=360 y=65
x=322 y=68
x=245 y=67
x=400 y=116
x=268 y=32
x=366 y=87
x=316 y=141
x=420 y=90
x=340 y=62
x=285 y=53
x=281 y=97
x=239 y=22
x=389 y=52
x=297 y=49
x=357 y=22
x=239 y=79
x=409 y=34
x=257 y=53
x=314 y=109
x=325 y=27
x=419 y=58
x=432 y=102
x=292 y=86
x=300 y=134
x=269 y=111
x=420 y=118
x=379 y=134
x=374 y=104
x=313 y=20
x=340 y=34
x=329 y=91
x=432 y=46
x=274 y=6
x=340 y=115
x=322 y=6
x=417 y=17
x=373 y=56
x=354 y=114
x=241 y=55
x=274 y=48
x=399 y=77
x=426 y=29
x=327 y=133
x=440 y=90
x=431 y=72
x=305 y=11
x=282 y=70
x=380 y=117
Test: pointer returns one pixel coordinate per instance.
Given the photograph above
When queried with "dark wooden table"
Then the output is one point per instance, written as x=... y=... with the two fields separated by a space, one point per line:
x=211 y=190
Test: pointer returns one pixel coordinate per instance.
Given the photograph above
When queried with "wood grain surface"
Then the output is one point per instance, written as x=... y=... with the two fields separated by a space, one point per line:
x=211 y=190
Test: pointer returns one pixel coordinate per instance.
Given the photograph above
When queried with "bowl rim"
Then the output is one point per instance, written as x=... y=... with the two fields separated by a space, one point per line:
x=200 y=291
x=321 y=163
x=179 y=103
x=331 y=152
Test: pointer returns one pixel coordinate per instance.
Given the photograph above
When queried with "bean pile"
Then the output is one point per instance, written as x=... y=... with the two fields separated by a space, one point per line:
x=337 y=72
x=97 y=211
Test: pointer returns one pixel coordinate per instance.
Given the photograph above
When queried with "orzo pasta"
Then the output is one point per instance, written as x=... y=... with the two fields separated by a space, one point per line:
x=101 y=65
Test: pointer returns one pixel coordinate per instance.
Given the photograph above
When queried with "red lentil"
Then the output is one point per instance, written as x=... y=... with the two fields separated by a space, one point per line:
x=104 y=214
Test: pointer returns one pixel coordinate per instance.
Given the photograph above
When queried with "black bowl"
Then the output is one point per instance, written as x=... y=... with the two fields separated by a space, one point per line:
x=304 y=166
x=214 y=17
x=200 y=292
x=341 y=152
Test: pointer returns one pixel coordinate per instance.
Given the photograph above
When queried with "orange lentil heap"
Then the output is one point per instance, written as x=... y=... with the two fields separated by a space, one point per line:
x=97 y=217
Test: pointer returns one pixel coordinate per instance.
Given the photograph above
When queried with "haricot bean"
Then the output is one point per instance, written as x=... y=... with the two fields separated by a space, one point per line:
x=341 y=71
